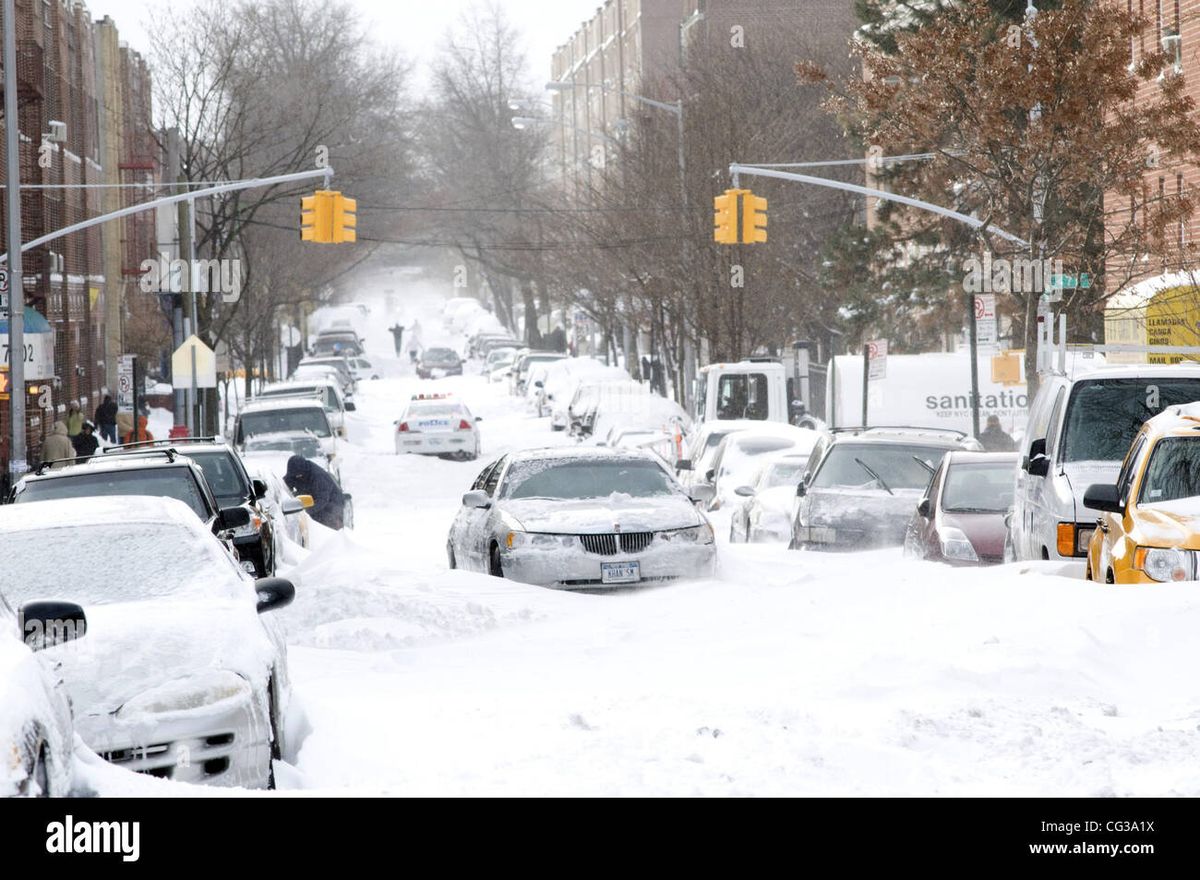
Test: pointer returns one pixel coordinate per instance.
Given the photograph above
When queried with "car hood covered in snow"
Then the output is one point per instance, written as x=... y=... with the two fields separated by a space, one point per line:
x=135 y=647
x=864 y=517
x=617 y=512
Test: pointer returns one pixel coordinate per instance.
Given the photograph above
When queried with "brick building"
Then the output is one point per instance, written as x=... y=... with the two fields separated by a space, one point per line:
x=74 y=71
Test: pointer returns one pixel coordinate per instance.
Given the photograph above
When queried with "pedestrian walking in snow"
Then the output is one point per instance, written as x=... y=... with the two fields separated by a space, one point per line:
x=397 y=335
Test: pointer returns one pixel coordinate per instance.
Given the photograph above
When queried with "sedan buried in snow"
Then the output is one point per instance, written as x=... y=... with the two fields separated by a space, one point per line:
x=182 y=674
x=584 y=517
x=961 y=518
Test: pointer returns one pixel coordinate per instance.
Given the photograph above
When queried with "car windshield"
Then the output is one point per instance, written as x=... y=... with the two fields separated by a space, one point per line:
x=158 y=560
x=898 y=465
x=274 y=420
x=305 y=445
x=1173 y=472
x=1105 y=415
x=783 y=473
x=163 y=482
x=585 y=479
x=978 y=488
x=223 y=475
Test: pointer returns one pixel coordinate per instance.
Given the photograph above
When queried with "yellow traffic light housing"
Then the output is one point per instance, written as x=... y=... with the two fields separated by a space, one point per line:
x=345 y=218
x=316 y=217
x=725 y=219
x=754 y=218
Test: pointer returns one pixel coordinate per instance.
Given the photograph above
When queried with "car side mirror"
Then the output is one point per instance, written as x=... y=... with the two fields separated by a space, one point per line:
x=924 y=508
x=1103 y=496
x=684 y=464
x=306 y=500
x=274 y=593
x=710 y=474
x=801 y=489
x=1039 y=466
x=744 y=491
x=259 y=487
x=539 y=384
x=702 y=493
x=46 y=624
x=291 y=506
x=477 y=499
x=479 y=418
x=350 y=407
x=233 y=518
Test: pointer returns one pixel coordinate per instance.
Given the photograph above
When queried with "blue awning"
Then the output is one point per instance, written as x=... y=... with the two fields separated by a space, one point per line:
x=34 y=322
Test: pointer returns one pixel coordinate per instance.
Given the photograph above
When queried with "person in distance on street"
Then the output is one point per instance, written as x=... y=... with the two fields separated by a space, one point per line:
x=994 y=439
x=86 y=443
x=58 y=445
x=397 y=335
x=106 y=419
x=74 y=420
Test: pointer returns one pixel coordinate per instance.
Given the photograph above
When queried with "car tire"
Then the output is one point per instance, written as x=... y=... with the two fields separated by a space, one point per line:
x=495 y=568
x=450 y=556
x=1109 y=578
x=37 y=774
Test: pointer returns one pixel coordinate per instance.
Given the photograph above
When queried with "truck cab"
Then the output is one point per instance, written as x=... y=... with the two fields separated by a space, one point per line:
x=754 y=390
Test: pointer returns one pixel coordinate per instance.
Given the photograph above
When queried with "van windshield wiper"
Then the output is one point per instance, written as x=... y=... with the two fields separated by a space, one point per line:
x=876 y=476
x=923 y=463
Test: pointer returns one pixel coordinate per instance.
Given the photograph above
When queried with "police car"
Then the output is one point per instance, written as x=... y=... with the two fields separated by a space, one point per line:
x=437 y=424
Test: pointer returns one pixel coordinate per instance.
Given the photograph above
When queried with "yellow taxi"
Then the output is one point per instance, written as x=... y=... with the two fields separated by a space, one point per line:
x=1149 y=531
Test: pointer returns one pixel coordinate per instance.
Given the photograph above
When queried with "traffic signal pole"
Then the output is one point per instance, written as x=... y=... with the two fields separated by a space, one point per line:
x=16 y=338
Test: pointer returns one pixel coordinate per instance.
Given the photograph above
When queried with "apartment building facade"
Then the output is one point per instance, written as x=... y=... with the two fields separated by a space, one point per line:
x=84 y=115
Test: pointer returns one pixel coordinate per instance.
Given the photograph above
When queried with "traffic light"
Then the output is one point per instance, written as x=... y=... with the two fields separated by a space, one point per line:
x=725 y=221
x=316 y=217
x=754 y=218
x=345 y=220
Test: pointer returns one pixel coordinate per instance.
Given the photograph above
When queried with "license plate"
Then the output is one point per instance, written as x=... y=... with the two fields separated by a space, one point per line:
x=433 y=423
x=620 y=572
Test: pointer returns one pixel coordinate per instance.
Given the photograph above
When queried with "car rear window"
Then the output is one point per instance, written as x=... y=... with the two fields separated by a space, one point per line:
x=275 y=421
x=900 y=466
x=163 y=482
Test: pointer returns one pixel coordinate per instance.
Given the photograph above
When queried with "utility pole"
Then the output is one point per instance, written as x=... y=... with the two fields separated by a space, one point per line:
x=183 y=219
x=177 y=334
x=18 y=450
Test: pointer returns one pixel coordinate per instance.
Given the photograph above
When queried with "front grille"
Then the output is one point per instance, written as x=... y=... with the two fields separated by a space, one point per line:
x=603 y=545
x=606 y=545
x=636 y=542
x=120 y=756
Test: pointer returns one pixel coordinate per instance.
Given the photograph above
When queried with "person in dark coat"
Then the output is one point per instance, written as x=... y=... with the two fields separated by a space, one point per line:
x=86 y=442
x=397 y=335
x=106 y=418
x=306 y=478
x=994 y=439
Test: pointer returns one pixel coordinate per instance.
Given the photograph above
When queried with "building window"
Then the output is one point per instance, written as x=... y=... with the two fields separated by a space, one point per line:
x=1182 y=220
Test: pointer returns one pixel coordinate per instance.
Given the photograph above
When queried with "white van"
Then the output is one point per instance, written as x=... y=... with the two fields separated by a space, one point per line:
x=754 y=390
x=1079 y=431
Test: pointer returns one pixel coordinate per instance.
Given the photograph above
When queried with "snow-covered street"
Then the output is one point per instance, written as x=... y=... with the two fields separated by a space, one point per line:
x=790 y=673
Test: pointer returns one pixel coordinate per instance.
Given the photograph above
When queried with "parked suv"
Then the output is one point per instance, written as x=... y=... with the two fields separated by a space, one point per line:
x=1079 y=430
x=861 y=486
x=162 y=473
x=226 y=475
x=285 y=415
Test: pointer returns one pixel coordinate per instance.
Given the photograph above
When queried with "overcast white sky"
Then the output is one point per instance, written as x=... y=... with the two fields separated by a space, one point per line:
x=415 y=26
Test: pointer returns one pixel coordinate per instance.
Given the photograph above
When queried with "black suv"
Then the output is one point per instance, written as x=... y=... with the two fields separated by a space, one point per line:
x=233 y=487
x=163 y=473
x=444 y=360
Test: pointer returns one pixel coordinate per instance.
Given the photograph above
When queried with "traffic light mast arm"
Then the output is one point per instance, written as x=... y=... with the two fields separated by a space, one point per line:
x=737 y=170
x=254 y=183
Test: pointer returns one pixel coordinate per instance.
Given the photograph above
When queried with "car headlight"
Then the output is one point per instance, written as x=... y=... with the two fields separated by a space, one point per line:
x=184 y=694
x=702 y=534
x=533 y=539
x=956 y=545
x=1163 y=564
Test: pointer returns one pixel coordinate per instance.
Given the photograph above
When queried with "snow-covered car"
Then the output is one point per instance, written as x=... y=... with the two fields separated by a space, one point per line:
x=765 y=514
x=285 y=415
x=340 y=364
x=961 y=518
x=454 y=304
x=362 y=369
x=739 y=454
x=37 y=734
x=581 y=517
x=701 y=447
x=327 y=392
x=861 y=486
x=526 y=360
x=286 y=510
x=644 y=412
x=437 y=363
x=437 y=424
x=233 y=486
x=499 y=360
x=157 y=473
x=560 y=382
x=272 y=450
x=184 y=674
